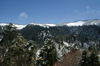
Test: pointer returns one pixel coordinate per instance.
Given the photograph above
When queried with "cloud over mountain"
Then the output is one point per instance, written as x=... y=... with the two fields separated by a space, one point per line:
x=23 y=15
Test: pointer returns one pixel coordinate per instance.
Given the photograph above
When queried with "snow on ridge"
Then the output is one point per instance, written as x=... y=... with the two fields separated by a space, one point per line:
x=43 y=25
x=18 y=26
x=22 y=26
x=51 y=24
x=3 y=24
x=47 y=25
x=78 y=23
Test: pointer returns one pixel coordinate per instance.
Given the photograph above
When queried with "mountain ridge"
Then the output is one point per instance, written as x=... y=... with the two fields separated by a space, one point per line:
x=75 y=23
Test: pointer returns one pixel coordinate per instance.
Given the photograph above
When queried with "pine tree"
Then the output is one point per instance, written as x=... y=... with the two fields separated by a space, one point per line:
x=12 y=43
x=94 y=59
x=30 y=51
x=9 y=34
x=90 y=60
x=17 y=51
x=48 y=54
x=84 y=61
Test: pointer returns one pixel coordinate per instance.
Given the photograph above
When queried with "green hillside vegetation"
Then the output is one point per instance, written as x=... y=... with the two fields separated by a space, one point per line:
x=15 y=50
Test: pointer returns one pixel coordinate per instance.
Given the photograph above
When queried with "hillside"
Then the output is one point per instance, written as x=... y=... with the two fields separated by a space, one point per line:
x=82 y=34
x=49 y=44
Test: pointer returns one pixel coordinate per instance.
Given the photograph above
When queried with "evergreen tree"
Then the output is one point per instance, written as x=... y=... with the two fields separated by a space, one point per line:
x=9 y=34
x=12 y=43
x=94 y=59
x=48 y=54
x=30 y=51
x=90 y=60
x=84 y=61
x=17 y=51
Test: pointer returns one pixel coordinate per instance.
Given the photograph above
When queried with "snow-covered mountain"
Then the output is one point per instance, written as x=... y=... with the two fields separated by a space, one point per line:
x=22 y=26
x=43 y=25
x=76 y=23
x=16 y=25
x=81 y=22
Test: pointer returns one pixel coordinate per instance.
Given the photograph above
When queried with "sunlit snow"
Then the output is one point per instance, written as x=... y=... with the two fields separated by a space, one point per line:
x=79 y=23
x=18 y=26
x=65 y=43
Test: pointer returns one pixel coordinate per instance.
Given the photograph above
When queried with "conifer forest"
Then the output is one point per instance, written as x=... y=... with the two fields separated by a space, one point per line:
x=36 y=45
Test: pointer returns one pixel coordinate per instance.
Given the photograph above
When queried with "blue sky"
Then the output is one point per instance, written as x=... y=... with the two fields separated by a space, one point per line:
x=48 y=11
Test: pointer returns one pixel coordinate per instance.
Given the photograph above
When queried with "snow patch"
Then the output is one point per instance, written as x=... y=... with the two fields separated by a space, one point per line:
x=18 y=26
x=65 y=43
x=3 y=24
x=43 y=25
x=79 y=23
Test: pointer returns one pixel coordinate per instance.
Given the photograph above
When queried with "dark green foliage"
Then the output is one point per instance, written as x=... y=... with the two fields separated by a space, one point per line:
x=75 y=34
x=9 y=34
x=90 y=60
x=48 y=54
x=84 y=61
x=94 y=59
x=36 y=33
x=16 y=50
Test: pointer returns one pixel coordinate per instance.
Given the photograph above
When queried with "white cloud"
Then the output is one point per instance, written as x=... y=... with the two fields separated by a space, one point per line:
x=23 y=15
x=88 y=11
x=91 y=11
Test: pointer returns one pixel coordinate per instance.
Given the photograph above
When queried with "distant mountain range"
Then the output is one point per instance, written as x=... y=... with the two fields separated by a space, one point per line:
x=76 y=23
x=81 y=22
x=73 y=32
